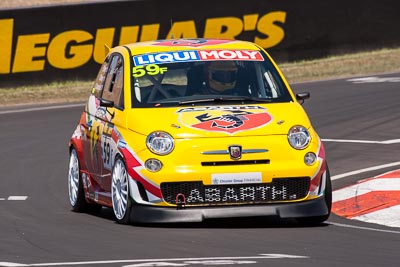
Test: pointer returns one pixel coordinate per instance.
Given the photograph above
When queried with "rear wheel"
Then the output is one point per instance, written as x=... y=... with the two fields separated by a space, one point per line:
x=121 y=201
x=328 y=201
x=75 y=186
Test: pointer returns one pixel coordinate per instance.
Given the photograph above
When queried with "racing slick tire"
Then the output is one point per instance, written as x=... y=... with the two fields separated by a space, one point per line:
x=121 y=201
x=75 y=187
x=316 y=220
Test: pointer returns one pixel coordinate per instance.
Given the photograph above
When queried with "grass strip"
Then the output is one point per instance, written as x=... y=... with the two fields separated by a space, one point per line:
x=343 y=66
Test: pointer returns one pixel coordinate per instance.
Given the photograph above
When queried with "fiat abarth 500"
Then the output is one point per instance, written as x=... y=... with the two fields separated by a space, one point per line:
x=192 y=129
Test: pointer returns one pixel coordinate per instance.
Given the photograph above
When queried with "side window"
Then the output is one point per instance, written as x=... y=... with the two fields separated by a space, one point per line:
x=101 y=76
x=114 y=82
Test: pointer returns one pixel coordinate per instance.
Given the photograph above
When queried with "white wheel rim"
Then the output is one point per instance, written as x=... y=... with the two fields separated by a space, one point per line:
x=73 y=178
x=119 y=189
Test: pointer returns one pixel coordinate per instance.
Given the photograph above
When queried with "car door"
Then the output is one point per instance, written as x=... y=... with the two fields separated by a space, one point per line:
x=112 y=97
x=100 y=110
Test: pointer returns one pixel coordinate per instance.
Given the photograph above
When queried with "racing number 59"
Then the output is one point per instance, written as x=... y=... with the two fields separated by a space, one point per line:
x=107 y=152
x=151 y=69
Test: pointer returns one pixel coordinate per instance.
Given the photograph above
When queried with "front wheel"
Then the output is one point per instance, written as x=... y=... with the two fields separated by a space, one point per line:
x=121 y=201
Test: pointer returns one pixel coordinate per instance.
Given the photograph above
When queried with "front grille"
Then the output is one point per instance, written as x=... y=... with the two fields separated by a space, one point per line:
x=195 y=193
x=231 y=162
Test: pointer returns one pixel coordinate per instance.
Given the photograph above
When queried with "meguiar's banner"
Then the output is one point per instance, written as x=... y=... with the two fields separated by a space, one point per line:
x=68 y=42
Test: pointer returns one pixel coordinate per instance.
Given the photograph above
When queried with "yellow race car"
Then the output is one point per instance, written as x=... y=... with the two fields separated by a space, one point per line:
x=192 y=129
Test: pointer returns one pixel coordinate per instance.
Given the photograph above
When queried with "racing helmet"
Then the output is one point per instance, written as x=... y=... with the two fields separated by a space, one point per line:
x=221 y=75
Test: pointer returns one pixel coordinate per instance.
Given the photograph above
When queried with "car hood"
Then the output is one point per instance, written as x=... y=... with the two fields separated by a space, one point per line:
x=218 y=121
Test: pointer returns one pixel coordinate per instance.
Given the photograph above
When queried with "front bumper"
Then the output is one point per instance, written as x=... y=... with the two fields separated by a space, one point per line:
x=151 y=214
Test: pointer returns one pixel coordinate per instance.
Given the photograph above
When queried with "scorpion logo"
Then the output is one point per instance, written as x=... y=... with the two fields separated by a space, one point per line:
x=226 y=121
x=230 y=119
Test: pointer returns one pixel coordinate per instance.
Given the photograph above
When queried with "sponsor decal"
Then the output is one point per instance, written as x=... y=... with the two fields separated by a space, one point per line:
x=166 y=57
x=247 y=192
x=121 y=144
x=185 y=56
x=236 y=178
x=152 y=70
x=230 y=120
x=23 y=51
x=230 y=55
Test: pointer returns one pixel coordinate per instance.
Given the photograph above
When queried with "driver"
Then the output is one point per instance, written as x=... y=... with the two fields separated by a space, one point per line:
x=220 y=77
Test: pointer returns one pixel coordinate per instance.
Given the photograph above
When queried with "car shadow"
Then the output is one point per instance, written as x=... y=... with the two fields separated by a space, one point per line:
x=226 y=223
x=237 y=223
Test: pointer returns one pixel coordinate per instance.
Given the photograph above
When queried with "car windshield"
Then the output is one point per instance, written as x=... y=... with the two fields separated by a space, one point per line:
x=174 y=79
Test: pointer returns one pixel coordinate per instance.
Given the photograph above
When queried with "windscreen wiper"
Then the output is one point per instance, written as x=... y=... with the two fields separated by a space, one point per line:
x=225 y=99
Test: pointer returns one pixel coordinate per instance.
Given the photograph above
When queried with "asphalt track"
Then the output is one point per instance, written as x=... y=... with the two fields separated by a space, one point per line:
x=37 y=227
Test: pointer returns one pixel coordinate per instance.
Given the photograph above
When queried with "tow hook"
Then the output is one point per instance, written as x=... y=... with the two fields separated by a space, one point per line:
x=180 y=201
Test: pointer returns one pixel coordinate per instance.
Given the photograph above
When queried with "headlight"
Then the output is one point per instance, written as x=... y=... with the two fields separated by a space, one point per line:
x=160 y=143
x=299 y=137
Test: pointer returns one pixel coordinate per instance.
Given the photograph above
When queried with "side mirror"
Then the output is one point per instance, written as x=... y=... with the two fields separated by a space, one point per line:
x=106 y=103
x=302 y=96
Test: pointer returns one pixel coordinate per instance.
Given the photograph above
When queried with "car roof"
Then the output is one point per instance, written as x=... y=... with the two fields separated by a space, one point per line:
x=189 y=44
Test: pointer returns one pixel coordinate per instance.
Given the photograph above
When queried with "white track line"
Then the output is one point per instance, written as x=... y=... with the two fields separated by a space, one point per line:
x=386 y=142
x=17 y=198
x=364 y=228
x=40 y=108
x=343 y=175
x=161 y=261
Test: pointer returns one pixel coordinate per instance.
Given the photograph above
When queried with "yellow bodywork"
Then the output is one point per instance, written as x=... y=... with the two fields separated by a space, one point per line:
x=184 y=163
